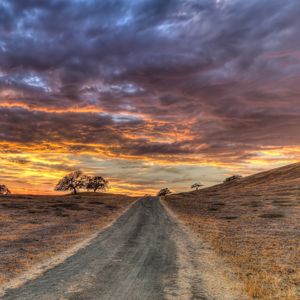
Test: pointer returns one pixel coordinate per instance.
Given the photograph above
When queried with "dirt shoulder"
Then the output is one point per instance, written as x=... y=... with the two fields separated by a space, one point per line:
x=254 y=226
x=40 y=230
x=199 y=265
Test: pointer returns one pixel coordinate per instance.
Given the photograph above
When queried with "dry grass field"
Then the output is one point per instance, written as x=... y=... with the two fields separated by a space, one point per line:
x=36 y=228
x=254 y=225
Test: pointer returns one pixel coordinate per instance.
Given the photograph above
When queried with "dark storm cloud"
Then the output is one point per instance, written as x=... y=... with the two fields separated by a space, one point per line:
x=80 y=128
x=225 y=71
x=42 y=127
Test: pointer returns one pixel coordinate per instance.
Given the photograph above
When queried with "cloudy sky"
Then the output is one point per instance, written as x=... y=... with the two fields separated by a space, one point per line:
x=148 y=93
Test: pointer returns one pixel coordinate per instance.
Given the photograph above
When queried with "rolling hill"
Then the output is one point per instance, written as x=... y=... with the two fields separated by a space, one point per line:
x=254 y=225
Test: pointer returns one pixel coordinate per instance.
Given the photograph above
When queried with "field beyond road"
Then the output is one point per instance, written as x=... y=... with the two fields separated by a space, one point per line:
x=254 y=225
x=36 y=228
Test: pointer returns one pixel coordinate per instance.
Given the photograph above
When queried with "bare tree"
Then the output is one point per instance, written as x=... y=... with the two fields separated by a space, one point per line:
x=4 y=190
x=163 y=192
x=96 y=183
x=72 y=182
x=196 y=186
x=233 y=178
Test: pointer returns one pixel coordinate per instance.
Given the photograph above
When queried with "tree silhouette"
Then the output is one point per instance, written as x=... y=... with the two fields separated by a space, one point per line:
x=233 y=178
x=72 y=182
x=163 y=192
x=4 y=190
x=196 y=186
x=96 y=183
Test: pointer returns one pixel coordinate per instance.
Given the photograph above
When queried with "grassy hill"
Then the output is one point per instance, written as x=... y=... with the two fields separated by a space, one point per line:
x=254 y=224
x=284 y=178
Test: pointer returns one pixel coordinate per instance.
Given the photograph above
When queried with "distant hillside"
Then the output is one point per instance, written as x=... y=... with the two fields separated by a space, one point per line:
x=287 y=176
x=286 y=173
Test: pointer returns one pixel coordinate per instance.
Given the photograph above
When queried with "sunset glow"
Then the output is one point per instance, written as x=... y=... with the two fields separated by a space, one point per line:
x=148 y=94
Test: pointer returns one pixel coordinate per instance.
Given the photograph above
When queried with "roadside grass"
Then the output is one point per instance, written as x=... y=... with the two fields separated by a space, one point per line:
x=256 y=231
x=36 y=228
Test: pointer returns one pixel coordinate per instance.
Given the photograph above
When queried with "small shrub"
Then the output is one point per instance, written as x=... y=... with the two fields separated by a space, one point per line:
x=163 y=192
x=61 y=214
x=219 y=203
x=283 y=203
x=256 y=204
x=34 y=211
x=96 y=202
x=110 y=207
x=233 y=178
x=230 y=217
x=272 y=215
x=213 y=208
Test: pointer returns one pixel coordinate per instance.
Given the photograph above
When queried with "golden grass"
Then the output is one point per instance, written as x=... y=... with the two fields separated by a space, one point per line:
x=35 y=228
x=254 y=224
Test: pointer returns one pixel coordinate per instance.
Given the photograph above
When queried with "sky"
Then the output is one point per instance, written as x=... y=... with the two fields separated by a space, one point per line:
x=147 y=93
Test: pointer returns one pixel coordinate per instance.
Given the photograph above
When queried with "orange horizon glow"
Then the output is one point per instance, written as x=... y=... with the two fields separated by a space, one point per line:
x=148 y=94
x=35 y=168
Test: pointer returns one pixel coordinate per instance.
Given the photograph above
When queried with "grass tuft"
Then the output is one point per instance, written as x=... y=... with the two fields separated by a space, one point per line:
x=272 y=215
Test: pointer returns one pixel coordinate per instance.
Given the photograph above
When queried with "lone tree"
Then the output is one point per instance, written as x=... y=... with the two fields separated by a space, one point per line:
x=164 y=192
x=196 y=186
x=233 y=178
x=72 y=182
x=4 y=190
x=96 y=183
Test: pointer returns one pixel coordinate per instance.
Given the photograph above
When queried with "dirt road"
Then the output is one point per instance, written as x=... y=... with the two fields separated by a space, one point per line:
x=136 y=258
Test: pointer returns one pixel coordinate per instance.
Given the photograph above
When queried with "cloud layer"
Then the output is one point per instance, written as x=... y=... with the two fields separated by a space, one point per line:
x=168 y=82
